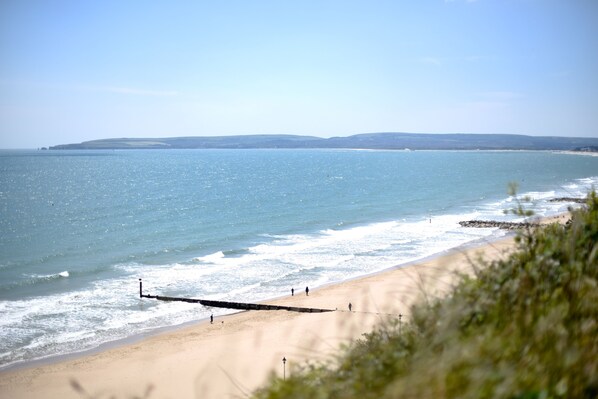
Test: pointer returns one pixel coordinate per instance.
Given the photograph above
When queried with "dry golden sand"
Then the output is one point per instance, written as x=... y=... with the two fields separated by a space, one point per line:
x=236 y=354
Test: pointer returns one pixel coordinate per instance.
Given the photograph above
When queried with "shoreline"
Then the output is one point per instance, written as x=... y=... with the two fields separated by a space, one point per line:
x=237 y=353
x=153 y=332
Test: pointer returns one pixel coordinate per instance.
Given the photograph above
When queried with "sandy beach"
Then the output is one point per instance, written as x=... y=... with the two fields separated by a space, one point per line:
x=237 y=353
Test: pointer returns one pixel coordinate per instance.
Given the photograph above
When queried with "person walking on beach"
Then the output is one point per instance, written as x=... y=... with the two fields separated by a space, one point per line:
x=292 y=292
x=211 y=319
x=350 y=306
x=307 y=291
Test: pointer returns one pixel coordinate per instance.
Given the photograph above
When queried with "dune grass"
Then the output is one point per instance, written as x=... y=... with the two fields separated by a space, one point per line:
x=524 y=327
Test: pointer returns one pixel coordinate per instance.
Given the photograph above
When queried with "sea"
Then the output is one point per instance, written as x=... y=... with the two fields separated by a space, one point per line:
x=78 y=229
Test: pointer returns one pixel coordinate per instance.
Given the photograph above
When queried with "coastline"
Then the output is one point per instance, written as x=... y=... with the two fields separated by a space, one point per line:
x=153 y=332
x=237 y=353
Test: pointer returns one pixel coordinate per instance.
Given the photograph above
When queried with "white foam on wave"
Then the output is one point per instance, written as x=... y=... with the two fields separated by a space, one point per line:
x=210 y=258
x=579 y=187
x=539 y=195
x=70 y=322
x=47 y=277
x=311 y=259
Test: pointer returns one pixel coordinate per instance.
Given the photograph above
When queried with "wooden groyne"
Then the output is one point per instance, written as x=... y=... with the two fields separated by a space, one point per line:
x=231 y=305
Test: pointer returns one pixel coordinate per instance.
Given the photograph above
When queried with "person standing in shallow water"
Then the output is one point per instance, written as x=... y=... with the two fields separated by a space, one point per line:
x=307 y=291
x=292 y=292
x=211 y=319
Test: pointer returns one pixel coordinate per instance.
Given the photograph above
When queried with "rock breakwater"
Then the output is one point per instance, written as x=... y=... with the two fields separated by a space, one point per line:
x=497 y=224
x=569 y=199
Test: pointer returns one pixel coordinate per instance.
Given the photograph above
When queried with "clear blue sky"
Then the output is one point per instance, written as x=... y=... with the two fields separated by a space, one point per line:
x=73 y=70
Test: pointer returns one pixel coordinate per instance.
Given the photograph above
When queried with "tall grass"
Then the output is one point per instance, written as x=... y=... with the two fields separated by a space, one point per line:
x=524 y=327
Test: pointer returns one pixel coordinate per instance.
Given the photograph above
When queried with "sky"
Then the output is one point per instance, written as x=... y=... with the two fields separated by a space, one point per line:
x=72 y=71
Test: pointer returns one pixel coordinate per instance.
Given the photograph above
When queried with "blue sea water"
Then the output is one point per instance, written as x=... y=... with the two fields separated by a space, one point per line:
x=79 y=228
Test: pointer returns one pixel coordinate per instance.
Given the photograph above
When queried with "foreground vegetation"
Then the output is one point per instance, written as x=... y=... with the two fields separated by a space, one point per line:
x=525 y=327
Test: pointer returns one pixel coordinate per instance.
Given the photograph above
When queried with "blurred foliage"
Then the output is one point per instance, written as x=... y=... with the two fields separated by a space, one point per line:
x=524 y=327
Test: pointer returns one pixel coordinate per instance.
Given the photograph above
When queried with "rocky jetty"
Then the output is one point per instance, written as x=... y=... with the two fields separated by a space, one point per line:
x=568 y=199
x=497 y=224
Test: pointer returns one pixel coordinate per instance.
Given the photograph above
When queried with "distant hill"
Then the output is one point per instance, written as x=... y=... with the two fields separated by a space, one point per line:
x=414 y=141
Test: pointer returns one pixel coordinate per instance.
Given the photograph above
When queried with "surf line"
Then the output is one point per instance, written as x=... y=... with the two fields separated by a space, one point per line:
x=231 y=305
